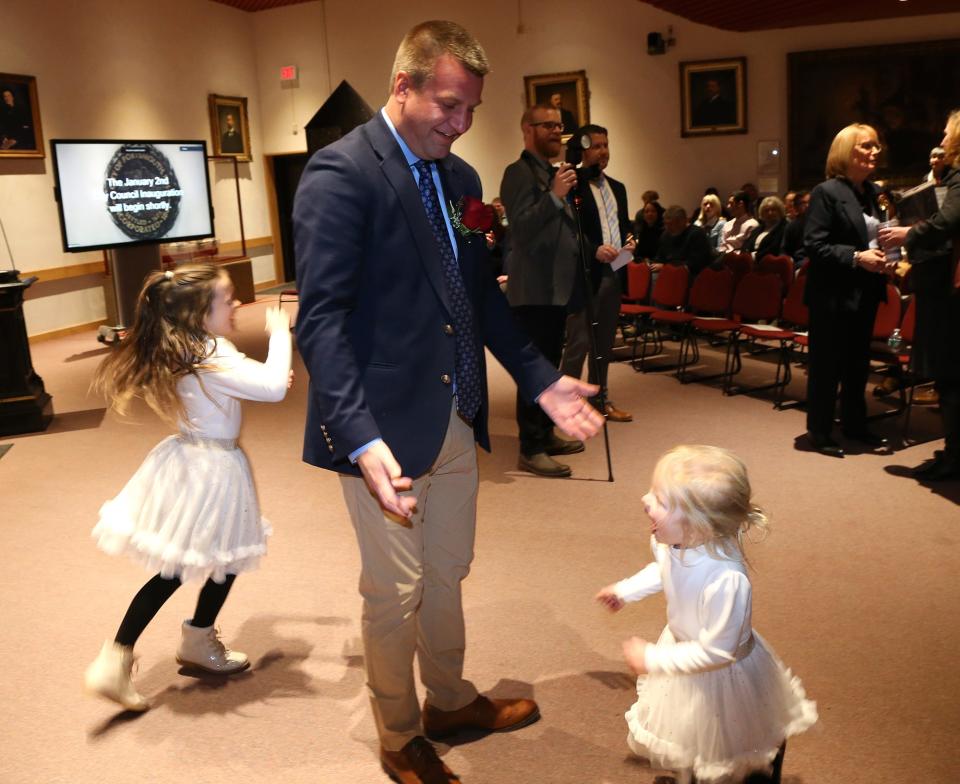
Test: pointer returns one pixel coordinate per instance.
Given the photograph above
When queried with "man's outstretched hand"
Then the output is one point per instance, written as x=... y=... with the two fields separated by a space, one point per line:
x=565 y=402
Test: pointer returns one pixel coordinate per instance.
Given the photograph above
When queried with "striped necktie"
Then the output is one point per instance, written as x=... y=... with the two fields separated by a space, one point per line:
x=610 y=211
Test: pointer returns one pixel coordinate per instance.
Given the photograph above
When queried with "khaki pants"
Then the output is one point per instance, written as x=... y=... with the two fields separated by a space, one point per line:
x=410 y=583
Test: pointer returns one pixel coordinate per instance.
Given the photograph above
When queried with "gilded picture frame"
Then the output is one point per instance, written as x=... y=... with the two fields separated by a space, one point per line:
x=229 y=127
x=713 y=97
x=21 y=135
x=566 y=91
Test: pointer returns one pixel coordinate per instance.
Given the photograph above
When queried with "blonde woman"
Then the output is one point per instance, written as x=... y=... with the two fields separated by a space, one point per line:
x=846 y=283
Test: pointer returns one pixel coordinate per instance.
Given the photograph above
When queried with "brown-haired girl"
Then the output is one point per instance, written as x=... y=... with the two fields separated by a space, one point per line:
x=190 y=512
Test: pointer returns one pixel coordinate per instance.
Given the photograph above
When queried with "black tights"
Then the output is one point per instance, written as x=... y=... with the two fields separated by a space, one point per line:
x=155 y=593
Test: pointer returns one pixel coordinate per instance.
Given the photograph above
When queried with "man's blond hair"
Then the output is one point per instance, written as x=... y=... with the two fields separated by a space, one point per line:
x=425 y=43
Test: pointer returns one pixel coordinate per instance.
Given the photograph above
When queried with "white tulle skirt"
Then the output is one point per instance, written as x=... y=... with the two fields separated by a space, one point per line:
x=190 y=511
x=720 y=724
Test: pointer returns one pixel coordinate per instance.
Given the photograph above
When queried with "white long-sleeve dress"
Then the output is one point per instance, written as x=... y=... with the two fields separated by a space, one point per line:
x=190 y=510
x=717 y=701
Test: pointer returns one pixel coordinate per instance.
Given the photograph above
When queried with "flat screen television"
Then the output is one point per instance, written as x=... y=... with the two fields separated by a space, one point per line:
x=112 y=193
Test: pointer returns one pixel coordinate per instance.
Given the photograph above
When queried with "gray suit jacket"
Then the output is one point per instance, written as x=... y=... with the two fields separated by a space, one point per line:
x=544 y=253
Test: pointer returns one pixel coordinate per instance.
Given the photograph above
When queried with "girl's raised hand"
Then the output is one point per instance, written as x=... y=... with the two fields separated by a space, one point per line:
x=609 y=599
x=276 y=320
x=634 y=651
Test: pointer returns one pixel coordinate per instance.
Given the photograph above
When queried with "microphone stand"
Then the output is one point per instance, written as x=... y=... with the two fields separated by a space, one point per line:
x=594 y=358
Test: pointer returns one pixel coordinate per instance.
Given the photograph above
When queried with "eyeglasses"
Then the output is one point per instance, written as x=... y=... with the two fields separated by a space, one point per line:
x=550 y=125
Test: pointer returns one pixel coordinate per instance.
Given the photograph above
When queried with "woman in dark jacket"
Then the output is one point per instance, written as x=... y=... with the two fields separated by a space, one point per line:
x=846 y=282
x=933 y=246
x=767 y=238
x=647 y=228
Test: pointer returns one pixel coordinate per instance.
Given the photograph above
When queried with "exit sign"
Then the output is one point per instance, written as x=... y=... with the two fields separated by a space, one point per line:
x=288 y=73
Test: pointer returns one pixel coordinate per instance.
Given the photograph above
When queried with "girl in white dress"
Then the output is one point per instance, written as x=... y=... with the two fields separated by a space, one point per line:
x=190 y=511
x=713 y=700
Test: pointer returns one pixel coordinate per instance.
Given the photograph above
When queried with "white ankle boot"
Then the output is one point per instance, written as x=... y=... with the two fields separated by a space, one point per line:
x=109 y=676
x=202 y=648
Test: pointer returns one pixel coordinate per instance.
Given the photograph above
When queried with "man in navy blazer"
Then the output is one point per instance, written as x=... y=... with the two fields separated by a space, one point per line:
x=374 y=222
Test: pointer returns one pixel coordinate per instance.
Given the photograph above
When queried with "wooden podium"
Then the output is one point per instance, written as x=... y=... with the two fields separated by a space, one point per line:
x=25 y=406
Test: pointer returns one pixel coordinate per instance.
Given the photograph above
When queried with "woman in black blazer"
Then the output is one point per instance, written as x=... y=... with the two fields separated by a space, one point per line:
x=767 y=238
x=846 y=282
x=936 y=285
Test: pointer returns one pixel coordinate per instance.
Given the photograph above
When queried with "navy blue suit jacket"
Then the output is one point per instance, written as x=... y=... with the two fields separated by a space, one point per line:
x=373 y=326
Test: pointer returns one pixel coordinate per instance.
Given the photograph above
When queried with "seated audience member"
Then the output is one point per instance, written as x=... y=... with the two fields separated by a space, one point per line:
x=789 y=206
x=648 y=196
x=938 y=165
x=682 y=243
x=647 y=228
x=753 y=197
x=695 y=215
x=740 y=225
x=793 y=234
x=710 y=220
x=767 y=238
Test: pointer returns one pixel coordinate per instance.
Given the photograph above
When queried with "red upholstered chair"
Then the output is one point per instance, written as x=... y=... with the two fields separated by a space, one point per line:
x=638 y=282
x=634 y=302
x=669 y=293
x=739 y=263
x=756 y=299
x=888 y=314
x=898 y=360
x=710 y=296
x=781 y=266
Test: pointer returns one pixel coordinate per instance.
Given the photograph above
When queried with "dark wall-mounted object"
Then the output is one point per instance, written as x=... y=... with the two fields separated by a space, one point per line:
x=343 y=111
x=656 y=44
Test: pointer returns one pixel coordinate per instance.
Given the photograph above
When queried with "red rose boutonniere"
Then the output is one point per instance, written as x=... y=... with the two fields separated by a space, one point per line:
x=470 y=217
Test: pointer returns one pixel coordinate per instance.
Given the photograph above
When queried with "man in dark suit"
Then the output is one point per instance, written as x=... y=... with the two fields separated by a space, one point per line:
x=566 y=116
x=682 y=243
x=544 y=282
x=715 y=109
x=230 y=140
x=606 y=225
x=395 y=308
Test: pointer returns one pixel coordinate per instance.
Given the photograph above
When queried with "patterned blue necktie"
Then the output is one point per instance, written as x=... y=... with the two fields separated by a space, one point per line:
x=467 y=358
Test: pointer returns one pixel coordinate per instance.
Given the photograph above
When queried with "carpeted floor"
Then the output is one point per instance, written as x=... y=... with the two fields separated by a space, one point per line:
x=856 y=588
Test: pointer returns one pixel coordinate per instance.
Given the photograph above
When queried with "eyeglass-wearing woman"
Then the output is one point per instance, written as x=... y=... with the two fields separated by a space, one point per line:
x=936 y=283
x=845 y=285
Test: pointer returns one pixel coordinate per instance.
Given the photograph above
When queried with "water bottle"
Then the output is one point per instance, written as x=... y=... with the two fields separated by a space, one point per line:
x=896 y=339
x=893 y=252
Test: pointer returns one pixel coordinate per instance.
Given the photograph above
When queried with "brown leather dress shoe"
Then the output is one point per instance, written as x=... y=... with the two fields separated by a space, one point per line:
x=927 y=396
x=483 y=714
x=416 y=763
x=614 y=414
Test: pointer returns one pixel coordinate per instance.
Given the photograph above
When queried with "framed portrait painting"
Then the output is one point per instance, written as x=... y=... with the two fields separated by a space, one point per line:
x=713 y=97
x=229 y=127
x=566 y=92
x=20 y=132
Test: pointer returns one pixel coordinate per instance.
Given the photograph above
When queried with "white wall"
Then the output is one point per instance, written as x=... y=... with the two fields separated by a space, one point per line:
x=635 y=95
x=122 y=70
x=107 y=69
